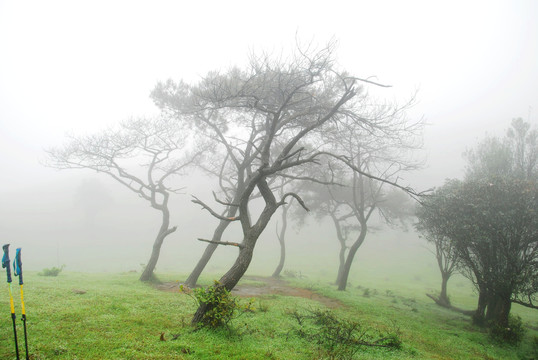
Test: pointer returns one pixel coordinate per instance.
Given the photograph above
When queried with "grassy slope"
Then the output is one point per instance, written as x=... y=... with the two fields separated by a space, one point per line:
x=120 y=318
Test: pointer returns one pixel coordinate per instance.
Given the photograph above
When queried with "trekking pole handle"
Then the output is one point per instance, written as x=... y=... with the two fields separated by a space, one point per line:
x=5 y=262
x=17 y=265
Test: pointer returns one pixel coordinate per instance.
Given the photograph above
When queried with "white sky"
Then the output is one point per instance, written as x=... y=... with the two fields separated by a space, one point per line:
x=84 y=65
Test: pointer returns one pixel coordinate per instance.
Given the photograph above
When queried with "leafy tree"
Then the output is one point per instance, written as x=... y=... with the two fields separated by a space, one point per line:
x=488 y=223
x=515 y=155
x=269 y=120
x=142 y=155
x=498 y=243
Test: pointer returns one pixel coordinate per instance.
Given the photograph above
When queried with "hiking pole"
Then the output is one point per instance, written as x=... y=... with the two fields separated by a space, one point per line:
x=17 y=271
x=5 y=264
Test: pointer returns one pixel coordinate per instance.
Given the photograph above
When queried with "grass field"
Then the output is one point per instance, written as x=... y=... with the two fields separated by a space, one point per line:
x=120 y=318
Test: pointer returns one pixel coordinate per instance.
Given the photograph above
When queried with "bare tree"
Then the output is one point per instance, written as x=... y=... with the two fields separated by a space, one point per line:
x=330 y=200
x=142 y=155
x=372 y=162
x=272 y=114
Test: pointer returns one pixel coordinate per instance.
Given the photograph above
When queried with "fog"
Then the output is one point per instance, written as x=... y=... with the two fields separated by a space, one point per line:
x=73 y=67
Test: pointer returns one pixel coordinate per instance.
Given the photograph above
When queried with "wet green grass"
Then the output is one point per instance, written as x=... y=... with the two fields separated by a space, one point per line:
x=120 y=318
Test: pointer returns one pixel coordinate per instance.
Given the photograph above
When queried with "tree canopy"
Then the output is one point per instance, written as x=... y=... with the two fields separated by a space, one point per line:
x=141 y=154
x=268 y=121
x=489 y=222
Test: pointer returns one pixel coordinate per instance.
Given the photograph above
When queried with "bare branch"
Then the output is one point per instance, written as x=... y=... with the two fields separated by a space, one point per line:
x=223 y=243
x=296 y=197
x=522 y=303
x=212 y=212
x=223 y=202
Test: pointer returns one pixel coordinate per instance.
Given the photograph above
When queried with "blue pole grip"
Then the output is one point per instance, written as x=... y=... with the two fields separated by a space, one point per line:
x=17 y=265
x=5 y=262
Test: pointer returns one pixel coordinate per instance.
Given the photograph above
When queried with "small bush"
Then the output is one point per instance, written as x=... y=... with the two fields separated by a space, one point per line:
x=222 y=306
x=54 y=271
x=341 y=338
x=513 y=334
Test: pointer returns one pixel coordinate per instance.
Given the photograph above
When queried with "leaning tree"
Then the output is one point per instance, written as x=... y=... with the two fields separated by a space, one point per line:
x=269 y=119
x=140 y=154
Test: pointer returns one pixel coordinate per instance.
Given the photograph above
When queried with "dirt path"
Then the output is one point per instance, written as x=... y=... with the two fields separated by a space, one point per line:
x=268 y=286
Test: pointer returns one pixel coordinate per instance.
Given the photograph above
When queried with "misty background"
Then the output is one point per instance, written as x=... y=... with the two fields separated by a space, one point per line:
x=77 y=67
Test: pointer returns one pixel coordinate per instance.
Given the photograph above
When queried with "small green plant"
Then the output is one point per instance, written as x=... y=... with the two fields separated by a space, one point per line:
x=513 y=334
x=53 y=271
x=222 y=306
x=341 y=338
x=263 y=306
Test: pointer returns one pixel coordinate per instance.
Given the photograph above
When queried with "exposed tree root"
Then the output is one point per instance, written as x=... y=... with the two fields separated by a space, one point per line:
x=449 y=306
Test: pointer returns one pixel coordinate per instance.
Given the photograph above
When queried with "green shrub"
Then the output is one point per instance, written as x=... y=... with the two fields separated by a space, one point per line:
x=513 y=334
x=341 y=338
x=222 y=306
x=53 y=271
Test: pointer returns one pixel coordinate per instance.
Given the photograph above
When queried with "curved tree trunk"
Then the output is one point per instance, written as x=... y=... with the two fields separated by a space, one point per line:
x=282 y=242
x=342 y=283
x=164 y=231
x=210 y=249
x=246 y=249
x=231 y=278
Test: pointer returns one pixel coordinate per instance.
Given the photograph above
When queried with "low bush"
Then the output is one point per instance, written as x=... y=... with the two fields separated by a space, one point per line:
x=512 y=335
x=341 y=338
x=53 y=271
x=222 y=306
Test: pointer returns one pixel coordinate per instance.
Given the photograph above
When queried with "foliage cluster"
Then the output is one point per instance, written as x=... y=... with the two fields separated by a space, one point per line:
x=512 y=334
x=486 y=227
x=53 y=271
x=222 y=306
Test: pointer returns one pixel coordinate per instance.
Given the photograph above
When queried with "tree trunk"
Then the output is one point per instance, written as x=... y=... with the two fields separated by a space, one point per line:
x=342 y=262
x=443 y=296
x=343 y=248
x=498 y=310
x=282 y=242
x=209 y=250
x=251 y=235
x=352 y=251
x=164 y=231
x=479 y=315
x=230 y=279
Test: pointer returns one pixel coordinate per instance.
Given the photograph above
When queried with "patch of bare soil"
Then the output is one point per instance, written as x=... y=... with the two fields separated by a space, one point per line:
x=267 y=286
